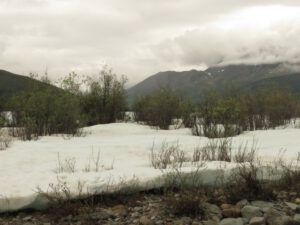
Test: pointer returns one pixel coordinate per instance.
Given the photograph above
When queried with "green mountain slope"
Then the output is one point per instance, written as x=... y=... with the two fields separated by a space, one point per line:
x=246 y=77
x=11 y=84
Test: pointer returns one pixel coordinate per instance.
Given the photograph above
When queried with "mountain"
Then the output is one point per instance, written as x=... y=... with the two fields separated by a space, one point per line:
x=246 y=77
x=11 y=84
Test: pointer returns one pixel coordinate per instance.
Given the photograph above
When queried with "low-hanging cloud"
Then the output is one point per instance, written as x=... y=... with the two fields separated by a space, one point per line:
x=237 y=40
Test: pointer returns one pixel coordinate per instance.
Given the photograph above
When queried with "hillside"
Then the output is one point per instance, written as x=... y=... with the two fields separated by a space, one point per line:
x=246 y=77
x=11 y=84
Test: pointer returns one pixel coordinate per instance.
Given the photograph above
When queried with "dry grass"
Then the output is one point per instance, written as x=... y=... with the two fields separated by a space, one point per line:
x=166 y=156
x=214 y=150
x=67 y=165
x=244 y=154
x=94 y=163
x=187 y=203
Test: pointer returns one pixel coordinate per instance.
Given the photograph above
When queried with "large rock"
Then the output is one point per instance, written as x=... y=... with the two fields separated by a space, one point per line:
x=226 y=206
x=232 y=221
x=286 y=220
x=251 y=211
x=212 y=211
x=275 y=217
x=293 y=206
x=145 y=221
x=297 y=217
x=233 y=212
x=241 y=204
x=263 y=205
x=119 y=210
x=183 y=221
x=272 y=216
x=257 y=221
x=210 y=222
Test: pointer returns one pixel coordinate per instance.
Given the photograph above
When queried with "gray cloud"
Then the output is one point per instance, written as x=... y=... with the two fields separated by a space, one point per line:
x=138 y=38
x=244 y=37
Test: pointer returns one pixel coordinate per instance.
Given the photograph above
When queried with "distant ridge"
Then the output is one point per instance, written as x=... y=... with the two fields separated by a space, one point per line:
x=246 y=77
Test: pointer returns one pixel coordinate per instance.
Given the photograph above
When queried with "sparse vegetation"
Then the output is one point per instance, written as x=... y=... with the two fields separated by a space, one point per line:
x=67 y=165
x=247 y=182
x=172 y=156
x=166 y=156
x=226 y=115
x=94 y=163
x=250 y=179
x=187 y=202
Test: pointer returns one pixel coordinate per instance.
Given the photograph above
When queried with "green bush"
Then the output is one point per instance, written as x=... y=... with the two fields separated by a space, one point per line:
x=46 y=110
x=221 y=115
x=161 y=108
x=104 y=101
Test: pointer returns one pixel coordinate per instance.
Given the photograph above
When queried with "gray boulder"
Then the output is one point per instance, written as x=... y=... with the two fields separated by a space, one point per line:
x=251 y=211
x=232 y=221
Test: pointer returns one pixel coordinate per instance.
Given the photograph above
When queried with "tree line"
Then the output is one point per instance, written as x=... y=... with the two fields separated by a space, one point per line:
x=47 y=109
x=219 y=114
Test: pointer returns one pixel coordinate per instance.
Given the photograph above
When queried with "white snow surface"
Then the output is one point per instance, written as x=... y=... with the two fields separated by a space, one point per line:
x=28 y=165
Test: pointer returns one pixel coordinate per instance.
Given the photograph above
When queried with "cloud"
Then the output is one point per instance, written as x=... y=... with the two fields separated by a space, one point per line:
x=250 y=36
x=138 y=38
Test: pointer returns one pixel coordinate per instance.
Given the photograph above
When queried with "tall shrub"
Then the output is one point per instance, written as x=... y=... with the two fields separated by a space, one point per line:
x=160 y=108
x=45 y=110
x=104 y=101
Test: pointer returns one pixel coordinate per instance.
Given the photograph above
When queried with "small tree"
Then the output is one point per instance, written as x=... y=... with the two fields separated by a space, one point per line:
x=104 y=101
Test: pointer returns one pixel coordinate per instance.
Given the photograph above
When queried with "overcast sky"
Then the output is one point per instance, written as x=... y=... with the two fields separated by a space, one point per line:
x=138 y=38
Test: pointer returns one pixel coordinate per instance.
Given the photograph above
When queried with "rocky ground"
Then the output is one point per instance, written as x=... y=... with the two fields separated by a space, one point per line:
x=152 y=209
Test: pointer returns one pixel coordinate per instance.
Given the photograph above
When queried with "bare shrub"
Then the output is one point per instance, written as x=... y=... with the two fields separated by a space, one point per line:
x=56 y=193
x=287 y=174
x=243 y=154
x=5 y=140
x=247 y=182
x=187 y=203
x=94 y=163
x=68 y=165
x=168 y=155
x=222 y=150
x=177 y=179
x=128 y=187
x=214 y=150
x=184 y=191
x=60 y=199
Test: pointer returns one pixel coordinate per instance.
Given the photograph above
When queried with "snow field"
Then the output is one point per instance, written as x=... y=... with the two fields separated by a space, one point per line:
x=124 y=155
